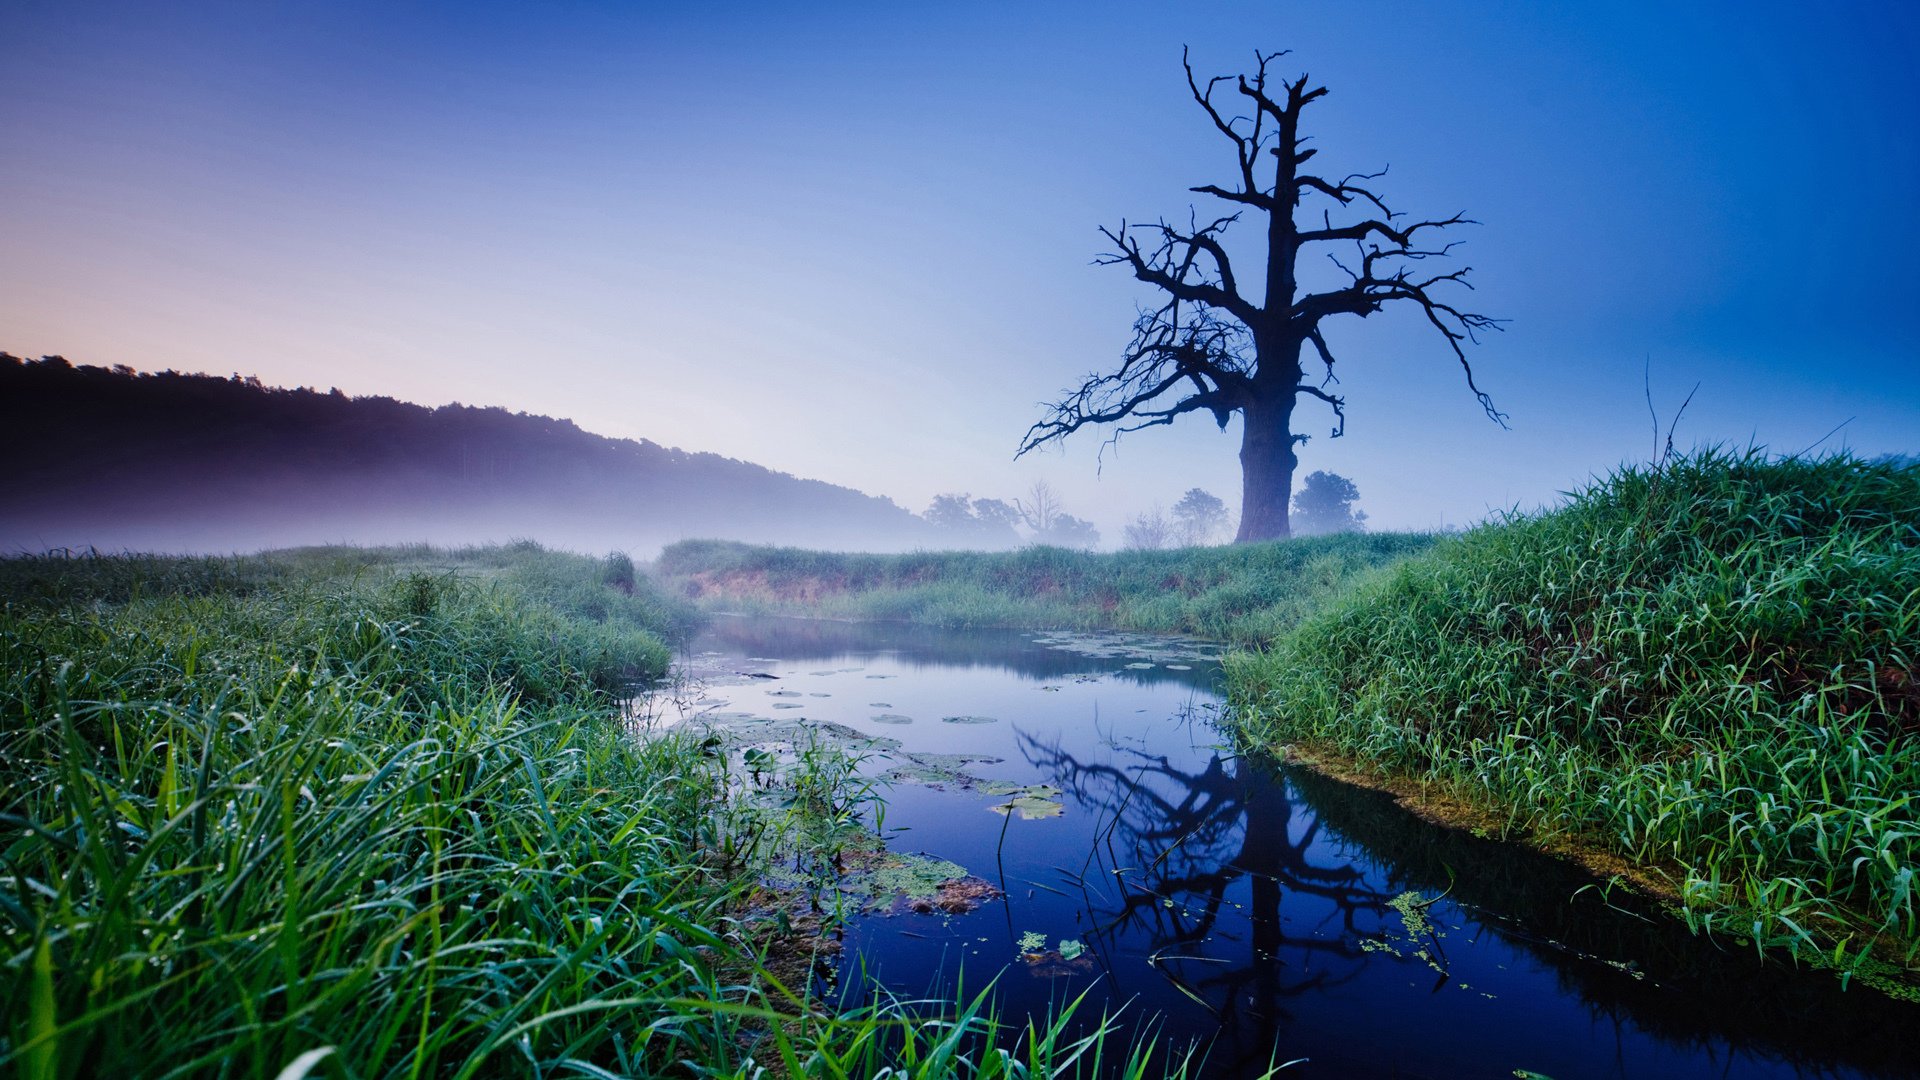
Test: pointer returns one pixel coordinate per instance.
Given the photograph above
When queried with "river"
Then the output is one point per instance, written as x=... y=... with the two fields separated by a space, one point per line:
x=1256 y=910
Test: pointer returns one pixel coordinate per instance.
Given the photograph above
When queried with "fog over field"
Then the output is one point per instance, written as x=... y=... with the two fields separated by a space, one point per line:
x=852 y=243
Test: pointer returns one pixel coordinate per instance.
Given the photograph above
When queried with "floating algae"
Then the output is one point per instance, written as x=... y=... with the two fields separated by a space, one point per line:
x=939 y=770
x=898 y=882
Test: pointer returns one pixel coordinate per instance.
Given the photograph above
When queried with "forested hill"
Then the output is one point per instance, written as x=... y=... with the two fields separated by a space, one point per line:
x=116 y=459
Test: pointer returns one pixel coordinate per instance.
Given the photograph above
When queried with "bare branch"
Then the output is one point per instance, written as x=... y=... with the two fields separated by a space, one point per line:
x=1339 y=405
x=1246 y=147
x=1346 y=190
x=1179 y=361
x=1399 y=237
x=1173 y=267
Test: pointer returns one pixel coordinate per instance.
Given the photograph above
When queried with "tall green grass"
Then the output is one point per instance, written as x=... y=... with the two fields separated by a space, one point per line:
x=325 y=814
x=269 y=816
x=1712 y=669
x=1248 y=592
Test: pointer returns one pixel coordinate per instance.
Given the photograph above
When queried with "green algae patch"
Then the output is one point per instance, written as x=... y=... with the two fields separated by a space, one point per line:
x=895 y=883
x=1145 y=650
x=1418 y=937
x=886 y=879
x=940 y=770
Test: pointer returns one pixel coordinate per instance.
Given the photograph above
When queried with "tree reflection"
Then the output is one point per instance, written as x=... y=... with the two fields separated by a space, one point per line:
x=1163 y=867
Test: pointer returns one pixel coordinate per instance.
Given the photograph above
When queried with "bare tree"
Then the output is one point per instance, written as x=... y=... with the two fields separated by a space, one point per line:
x=1150 y=531
x=1211 y=346
x=1040 y=508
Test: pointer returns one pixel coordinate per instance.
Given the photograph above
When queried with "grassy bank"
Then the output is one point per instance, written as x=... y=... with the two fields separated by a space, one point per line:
x=1244 y=593
x=374 y=814
x=1710 y=670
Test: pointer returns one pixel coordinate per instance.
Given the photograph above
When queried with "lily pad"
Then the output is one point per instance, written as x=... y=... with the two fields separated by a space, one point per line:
x=783 y=693
x=1138 y=667
x=879 y=704
x=892 y=718
x=788 y=705
x=1031 y=807
x=969 y=720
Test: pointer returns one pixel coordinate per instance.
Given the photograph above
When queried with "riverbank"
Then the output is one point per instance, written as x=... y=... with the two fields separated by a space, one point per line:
x=378 y=813
x=1707 y=670
x=1244 y=593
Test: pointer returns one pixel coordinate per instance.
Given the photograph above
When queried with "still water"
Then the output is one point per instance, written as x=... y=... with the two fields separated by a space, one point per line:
x=1257 y=910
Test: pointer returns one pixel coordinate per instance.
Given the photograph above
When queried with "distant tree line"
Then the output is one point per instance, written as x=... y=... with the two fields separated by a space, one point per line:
x=1040 y=518
x=114 y=457
x=1324 y=504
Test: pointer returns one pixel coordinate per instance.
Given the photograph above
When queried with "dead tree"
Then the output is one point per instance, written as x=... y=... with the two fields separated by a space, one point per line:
x=1209 y=346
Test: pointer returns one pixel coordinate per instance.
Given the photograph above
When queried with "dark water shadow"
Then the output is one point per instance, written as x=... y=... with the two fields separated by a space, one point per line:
x=1178 y=839
x=1690 y=991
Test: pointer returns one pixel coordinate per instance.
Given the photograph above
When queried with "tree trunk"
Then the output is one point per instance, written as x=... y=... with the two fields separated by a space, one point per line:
x=1267 y=462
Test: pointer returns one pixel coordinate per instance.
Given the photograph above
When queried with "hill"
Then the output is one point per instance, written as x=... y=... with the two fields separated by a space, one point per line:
x=113 y=458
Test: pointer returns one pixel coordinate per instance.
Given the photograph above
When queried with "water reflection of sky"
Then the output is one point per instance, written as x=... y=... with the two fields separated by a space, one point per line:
x=1251 y=908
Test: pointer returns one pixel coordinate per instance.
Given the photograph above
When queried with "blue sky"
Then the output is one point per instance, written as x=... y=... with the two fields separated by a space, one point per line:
x=853 y=241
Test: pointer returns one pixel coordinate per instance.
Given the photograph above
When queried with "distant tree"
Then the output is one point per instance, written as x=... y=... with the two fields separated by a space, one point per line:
x=1069 y=532
x=1324 y=504
x=1218 y=345
x=1048 y=522
x=1040 y=507
x=1150 y=531
x=1198 y=518
x=974 y=522
x=952 y=512
x=997 y=515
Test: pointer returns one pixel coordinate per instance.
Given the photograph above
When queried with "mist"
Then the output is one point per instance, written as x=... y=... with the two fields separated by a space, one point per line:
x=112 y=459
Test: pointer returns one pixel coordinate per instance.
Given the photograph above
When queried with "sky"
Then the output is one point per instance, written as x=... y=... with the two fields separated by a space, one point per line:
x=855 y=241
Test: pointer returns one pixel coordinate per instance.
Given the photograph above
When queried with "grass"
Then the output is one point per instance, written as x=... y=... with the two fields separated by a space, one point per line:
x=1710 y=669
x=1249 y=592
x=374 y=814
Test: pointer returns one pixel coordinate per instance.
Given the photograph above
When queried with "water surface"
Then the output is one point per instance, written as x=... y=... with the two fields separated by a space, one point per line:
x=1260 y=911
